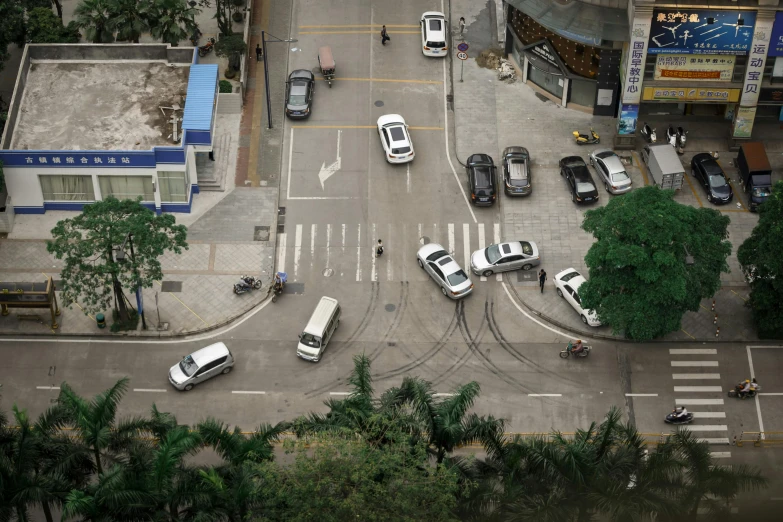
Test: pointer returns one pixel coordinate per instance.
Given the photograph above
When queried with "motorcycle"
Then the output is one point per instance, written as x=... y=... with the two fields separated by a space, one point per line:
x=206 y=49
x=565 y=354
x=671 y=136
x=246 y=284
x=584 y=139
x=737 y=391
x=195 y=37
x=681 y=133
x=277 y=288
x=674 y=418
x=648 y=133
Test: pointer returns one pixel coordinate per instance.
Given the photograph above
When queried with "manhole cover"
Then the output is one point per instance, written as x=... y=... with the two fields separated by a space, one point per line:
x=281 y=211
x=390 y=307
x=171 y=286
x=379 y=103
x=424 y=240
x=391 y=343
x=449 y=97
x=281 y=228
x=529 y=275
x=328 y=272
x=261 y=234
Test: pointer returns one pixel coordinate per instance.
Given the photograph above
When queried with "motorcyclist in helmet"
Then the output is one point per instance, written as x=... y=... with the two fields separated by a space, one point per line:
x=576 y=346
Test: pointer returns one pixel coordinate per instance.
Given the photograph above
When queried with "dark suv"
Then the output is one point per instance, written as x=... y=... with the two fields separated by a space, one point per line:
x=711 y=178
x=580 y=182
x=481 y=179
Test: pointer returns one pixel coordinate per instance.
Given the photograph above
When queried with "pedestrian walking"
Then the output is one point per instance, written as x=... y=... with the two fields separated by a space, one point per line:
x=461 y=25
x=379 y=249
x=259 y=52
x=541 y=279
x=384 y=35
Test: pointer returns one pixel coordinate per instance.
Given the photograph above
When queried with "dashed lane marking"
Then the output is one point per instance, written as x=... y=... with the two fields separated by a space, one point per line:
x=544 y=394
x=641 y=394
x=47 y=387
x=698 y=389
x=248 y=392
x=716 y=440
x=693 y=351
x=339 y=393
x=149 y=390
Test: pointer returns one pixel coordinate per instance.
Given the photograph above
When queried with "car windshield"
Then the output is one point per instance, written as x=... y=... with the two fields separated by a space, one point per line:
x=527 y=248
x=605 y=154
x=717 y=181
x=397 y=134
x=188 y=366
x=583 y=187
x=761 y=192
x=310 y=340
x=619 y=176
x=457 y=278
x=493 y=253
x=569 y=276
x=437 y=255
x=297 y=99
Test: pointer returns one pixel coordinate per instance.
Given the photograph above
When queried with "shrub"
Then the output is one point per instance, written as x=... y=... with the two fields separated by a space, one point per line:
x=225 y=86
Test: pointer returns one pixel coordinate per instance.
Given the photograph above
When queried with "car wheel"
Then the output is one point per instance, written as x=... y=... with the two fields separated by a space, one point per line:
x=227 y=369
x=527 y=267
x=559 y=292
x=709 y=198
x=573 y=197
x=487 y=273
x=606 y=186
x=188 y=387
x=444 y=291
x=584 y=319
x=421 y=265
x=591 y=161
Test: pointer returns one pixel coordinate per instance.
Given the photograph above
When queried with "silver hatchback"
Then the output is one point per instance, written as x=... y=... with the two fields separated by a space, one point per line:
x=201 y=365
x=611 y=171
x=453 y=281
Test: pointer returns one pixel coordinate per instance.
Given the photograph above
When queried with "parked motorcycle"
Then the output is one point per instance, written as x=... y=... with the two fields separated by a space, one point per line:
x=671 y=136
x=246 y=284
x=755 y=387
x=648 y=133
x=195 y=37
x=586 y=139
x=681 y=133
x=679 y=416
x=206 y=49
x=565 y=354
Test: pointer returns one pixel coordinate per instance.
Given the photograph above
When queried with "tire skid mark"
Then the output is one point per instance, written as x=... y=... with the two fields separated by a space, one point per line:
x=469 y=341
x=396 y=321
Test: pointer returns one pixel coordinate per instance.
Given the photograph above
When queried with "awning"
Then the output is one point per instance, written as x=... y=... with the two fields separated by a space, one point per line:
x=578 y=21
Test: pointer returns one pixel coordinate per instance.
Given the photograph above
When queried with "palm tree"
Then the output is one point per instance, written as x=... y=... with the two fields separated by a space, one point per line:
x=172 y=20
x=93 y=17
x=95 y=422
x=128 y=18
x=234 y=447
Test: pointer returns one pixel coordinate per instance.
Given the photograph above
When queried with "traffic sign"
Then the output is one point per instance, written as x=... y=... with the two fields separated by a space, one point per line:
x=463 y=47
x=462 y=56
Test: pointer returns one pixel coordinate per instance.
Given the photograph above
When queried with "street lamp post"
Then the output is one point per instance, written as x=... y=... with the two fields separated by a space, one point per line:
x=266 y=72
x=120 y=255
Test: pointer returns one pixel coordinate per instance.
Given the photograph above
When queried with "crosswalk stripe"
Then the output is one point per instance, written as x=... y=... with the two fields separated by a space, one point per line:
x=694 y=363
x=693 y=351
x=699 y=402
x=498 y=277
x=313 y=233
x=689 y=376
x=466 y=244
x=281 y=252
x=717 y=440
x=698 y=389
x=720 y=454
x=482 y=242
x=709 y=414
x=359 y=254
x=328 y=242
x=708 y=427
x=451 y=238
x=297 y=249
x=373 y=273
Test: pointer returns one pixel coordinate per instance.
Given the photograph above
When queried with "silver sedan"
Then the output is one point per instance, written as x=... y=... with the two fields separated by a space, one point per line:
x=453 y=281
x=611 y=171
x=504 y=257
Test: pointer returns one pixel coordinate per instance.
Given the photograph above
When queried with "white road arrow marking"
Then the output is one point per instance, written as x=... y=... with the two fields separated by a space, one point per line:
x=326 y=172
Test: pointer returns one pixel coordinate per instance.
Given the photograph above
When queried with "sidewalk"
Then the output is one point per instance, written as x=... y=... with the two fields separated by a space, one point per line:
x=491 y=115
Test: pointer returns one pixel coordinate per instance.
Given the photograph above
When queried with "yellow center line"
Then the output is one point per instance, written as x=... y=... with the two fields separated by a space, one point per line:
x=705 y=307
x=183 y=304
x=356 y=25
x=735 y=293
x=686 y=333
x=356 y=127
x=356 y=32
x=434 y=82
x=642 y=168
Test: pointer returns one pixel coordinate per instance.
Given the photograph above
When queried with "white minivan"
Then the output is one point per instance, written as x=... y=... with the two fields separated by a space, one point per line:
x=319 y=330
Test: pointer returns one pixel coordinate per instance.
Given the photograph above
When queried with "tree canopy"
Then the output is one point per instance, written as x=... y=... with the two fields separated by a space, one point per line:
x=87 y=242
x=641 y=281
x=762 y=264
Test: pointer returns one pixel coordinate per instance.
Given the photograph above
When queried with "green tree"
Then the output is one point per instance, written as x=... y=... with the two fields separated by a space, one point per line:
x=172 y=20
x=43 y=26
x=641 y=281
x=232 y=47
x=93 y=17
x=86 y=243
x=763 y=266
x=223 y=12
x=12 y=27
x=129 y=19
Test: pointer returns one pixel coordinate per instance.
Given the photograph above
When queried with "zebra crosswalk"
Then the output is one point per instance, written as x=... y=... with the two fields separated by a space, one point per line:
x=347 y=250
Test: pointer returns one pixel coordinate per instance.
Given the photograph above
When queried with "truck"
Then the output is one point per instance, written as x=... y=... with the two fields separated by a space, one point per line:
x=755 y=173
x=664 y=165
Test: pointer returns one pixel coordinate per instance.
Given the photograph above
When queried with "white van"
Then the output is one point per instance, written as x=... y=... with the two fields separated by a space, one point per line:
x=319 y=330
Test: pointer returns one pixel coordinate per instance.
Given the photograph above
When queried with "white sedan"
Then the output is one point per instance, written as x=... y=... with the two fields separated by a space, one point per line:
x=453 y=281
x=395 y=139
x=567 y=284
x=433 y=34
x=504 y=257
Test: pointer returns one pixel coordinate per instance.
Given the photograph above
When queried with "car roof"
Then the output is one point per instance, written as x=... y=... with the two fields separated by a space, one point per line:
x=301 y=74
x=434 y=33
x=430 y=248
x=515 y=150
x=515 y=247
x=708 y=162
x=209 y=354
x=391 y=119
x=517 y=170
x=574 y=282
x=480 y=159
x=612 y=162
x=298 y=88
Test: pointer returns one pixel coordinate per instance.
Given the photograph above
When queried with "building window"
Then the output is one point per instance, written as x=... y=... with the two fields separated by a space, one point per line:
x=67 y=188
x=173 y=186
x=127 y=187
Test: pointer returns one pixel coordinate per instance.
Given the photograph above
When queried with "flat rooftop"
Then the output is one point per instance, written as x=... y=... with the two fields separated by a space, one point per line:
x=98 y=106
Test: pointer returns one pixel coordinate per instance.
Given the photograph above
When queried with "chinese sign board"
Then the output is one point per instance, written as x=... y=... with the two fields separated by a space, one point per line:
x=689 y=31
x=754 y=72
x=771 y=95
x=682 y=94
x=776 y=41
x=78 y=159
x=635 y=59
x=743 y=122
x=694 y=67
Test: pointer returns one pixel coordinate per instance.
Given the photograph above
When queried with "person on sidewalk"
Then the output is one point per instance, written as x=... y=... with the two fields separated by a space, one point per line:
x=384 y=35
x=461 y=25
x=541 y=279
x=259 y=52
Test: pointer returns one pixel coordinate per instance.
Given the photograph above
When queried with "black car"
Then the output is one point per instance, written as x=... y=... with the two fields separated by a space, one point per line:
x=516 y=171
x=580 y=182
x=712 y=178
x=299 y=94
x=481 y=178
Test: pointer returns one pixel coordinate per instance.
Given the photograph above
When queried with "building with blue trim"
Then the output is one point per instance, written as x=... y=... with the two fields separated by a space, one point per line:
x=88 y=121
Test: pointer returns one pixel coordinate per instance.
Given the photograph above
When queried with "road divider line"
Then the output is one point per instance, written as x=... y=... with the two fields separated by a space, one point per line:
x=689 y=376
x=641 y=394
x=698 y=389
x=693 y=351
x=369 y=26
x=708 y=427
x=544 y=394
x=149 y=390
x=699 y=402
x=694 y=363
x=47 y=387
x=339 y=393
x=418 y=128
x=248 y=392
x=709 y=414
x=290 y=160
x=356 y=32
